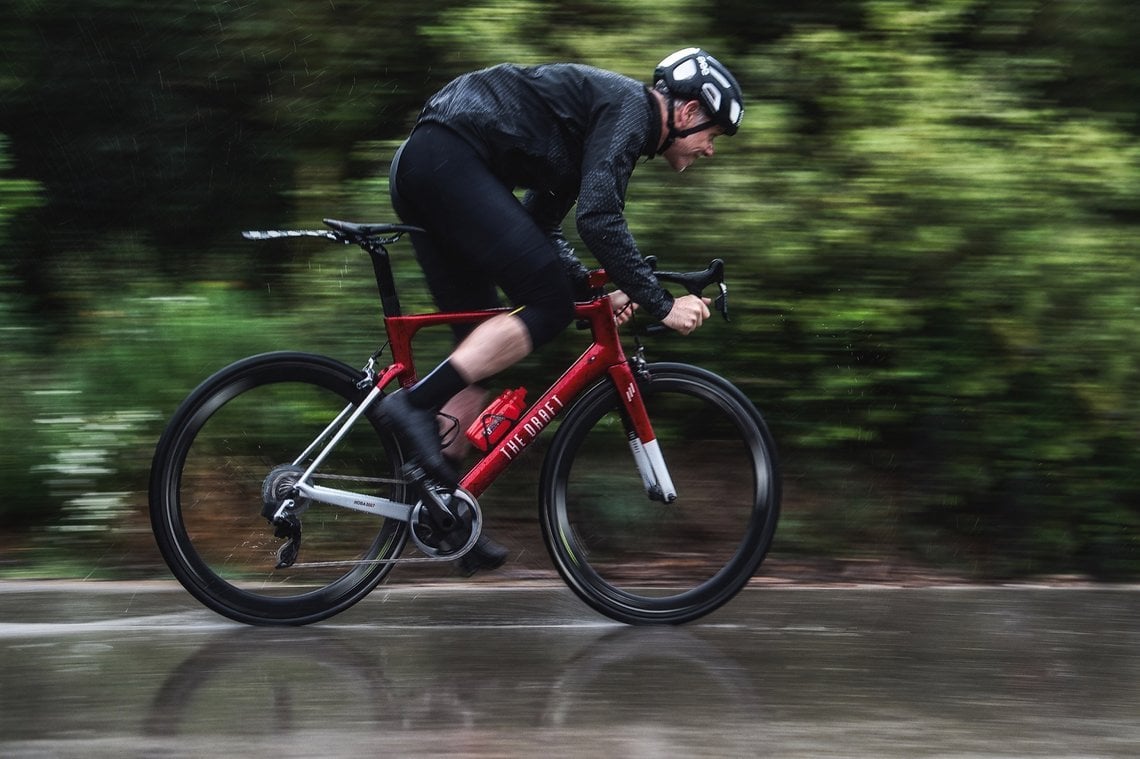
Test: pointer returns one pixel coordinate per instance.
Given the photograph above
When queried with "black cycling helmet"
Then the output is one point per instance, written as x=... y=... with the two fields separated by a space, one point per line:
x=693 y=74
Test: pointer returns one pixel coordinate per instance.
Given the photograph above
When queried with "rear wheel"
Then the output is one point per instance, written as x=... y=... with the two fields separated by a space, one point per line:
x=233 y=441
x=642 y=561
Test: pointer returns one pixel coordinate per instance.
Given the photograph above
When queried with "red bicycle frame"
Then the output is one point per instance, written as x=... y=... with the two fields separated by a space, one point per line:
x=603 y=356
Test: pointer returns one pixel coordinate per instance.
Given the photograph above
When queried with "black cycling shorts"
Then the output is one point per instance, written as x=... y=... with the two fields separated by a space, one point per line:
x=479 y=237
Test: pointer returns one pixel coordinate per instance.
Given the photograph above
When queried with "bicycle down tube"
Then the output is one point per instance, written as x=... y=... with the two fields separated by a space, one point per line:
x=603 y=356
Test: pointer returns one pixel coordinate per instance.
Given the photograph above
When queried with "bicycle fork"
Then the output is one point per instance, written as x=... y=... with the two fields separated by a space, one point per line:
x=642 y=440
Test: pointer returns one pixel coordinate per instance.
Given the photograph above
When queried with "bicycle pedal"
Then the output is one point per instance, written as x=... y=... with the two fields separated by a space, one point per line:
x=413 y=472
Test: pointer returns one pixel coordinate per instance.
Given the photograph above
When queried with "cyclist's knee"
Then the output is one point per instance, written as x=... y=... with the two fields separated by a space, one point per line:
x=551 y=324
x=549 y=309
x=546 y=320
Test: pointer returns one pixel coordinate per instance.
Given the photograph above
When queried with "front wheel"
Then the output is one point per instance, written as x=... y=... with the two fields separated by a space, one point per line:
x=641 y=561
x=238 y=436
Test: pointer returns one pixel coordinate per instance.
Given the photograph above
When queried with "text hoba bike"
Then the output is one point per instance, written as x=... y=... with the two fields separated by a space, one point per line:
x=277 y=497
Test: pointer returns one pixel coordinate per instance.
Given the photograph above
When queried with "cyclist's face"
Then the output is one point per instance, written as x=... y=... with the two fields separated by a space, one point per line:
x=684 y=152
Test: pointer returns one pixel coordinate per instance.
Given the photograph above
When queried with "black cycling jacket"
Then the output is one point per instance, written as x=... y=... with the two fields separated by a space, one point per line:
x=567 y=133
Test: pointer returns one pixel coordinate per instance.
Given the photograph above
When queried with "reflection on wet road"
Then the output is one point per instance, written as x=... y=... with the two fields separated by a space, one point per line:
x=126 y=670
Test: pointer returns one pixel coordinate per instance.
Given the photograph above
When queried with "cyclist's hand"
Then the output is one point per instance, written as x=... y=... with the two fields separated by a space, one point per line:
x=623 y=306
x=688 y=313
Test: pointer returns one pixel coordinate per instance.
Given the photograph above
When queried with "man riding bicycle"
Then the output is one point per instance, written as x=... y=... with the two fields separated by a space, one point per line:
x=566 y=133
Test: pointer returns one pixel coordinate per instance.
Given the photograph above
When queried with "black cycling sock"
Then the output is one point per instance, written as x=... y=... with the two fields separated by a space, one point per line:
x=437 y=388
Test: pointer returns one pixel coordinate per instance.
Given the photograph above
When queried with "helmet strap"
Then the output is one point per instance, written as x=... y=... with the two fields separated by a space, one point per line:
x=671 y=135
x=674 y=133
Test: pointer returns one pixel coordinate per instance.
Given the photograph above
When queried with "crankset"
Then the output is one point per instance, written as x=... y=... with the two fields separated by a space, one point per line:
x=453 y=535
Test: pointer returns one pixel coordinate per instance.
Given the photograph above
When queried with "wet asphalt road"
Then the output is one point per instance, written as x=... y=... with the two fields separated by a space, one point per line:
x=94 y=669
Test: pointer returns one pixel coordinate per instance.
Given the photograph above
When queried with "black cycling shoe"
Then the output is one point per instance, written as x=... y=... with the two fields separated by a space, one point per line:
x=418 y=433
x=485 y=554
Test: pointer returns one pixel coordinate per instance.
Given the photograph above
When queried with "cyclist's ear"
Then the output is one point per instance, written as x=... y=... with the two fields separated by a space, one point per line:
x=691 y=113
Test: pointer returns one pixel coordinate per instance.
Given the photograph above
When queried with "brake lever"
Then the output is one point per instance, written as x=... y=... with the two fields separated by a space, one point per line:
x=721 y=302
x=694 y=282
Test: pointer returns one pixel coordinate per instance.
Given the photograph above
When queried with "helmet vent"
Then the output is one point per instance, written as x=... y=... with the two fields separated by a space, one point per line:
x=712 y=96
x=685 y=71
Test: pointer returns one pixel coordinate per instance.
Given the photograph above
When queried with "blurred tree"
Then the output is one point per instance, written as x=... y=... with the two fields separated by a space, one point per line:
x=28 y=500
x=178 y=125
x=954 y=244
x=929 y=219
x=1088 y=47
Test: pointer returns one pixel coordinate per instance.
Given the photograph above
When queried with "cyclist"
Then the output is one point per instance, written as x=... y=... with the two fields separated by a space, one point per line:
x=566 y=133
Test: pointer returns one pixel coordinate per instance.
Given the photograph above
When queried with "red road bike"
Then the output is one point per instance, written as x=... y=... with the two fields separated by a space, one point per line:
x=277 y=497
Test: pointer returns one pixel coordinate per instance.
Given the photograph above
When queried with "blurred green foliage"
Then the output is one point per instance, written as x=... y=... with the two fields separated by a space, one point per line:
x=930 y=220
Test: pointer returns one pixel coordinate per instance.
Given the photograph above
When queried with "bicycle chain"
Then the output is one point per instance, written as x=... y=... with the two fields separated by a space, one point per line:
x=351 y=478
x=412 y=560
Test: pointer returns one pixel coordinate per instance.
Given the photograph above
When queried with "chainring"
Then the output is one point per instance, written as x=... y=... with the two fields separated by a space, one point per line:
x=456 y=542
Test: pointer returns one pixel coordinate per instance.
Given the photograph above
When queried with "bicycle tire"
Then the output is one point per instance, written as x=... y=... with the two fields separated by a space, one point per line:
x=206 y=491
x=641 y=561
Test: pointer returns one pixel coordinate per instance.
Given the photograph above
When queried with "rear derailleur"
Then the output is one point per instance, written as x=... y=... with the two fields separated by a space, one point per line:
x=279 y=506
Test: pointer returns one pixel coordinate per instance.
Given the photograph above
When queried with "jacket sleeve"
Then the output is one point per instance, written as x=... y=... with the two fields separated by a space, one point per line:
x=611 y=151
